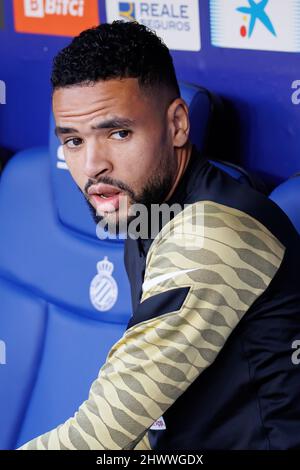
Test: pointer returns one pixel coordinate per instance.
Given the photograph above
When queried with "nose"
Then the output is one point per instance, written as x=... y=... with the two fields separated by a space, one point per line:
x=96 y=161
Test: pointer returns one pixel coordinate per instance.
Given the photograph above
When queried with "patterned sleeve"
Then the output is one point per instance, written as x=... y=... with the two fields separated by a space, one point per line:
x=203 y=272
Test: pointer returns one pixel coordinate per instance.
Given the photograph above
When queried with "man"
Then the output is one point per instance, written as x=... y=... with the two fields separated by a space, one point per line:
x=207 y=355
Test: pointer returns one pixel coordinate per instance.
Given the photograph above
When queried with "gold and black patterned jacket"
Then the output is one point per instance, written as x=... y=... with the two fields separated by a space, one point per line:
x=206 y=360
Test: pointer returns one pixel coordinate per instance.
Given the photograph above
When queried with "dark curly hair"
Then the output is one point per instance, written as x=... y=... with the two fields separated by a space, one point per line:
x=117 y=50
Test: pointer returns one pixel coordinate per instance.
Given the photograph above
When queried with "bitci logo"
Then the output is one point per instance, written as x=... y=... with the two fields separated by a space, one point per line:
x=271 y=25
x=55 y=17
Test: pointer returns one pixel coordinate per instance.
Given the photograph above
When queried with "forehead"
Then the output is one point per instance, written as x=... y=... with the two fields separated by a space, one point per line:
x=104 y=97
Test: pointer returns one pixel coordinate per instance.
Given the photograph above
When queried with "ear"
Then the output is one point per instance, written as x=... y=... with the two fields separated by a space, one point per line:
x=178 y=118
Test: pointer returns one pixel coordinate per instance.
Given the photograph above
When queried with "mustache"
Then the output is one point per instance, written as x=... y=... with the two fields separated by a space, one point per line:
x=112 y=182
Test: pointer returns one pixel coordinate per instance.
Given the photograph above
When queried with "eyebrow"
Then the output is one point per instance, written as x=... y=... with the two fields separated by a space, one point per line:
x=114 y=123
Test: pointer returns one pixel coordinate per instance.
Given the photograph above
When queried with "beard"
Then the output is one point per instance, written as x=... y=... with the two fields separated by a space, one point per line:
x=154 y=192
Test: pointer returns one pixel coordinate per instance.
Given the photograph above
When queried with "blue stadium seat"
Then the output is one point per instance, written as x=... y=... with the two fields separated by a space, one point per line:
x=64 y=293
x=287 y=196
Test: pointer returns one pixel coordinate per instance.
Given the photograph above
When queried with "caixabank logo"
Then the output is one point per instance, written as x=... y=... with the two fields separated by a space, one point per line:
x=55 y=17
x=175 y=21
x=1 y=14
x=272 y=25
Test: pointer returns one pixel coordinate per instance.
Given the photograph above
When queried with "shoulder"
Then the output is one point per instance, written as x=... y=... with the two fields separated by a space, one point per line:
x=217 y=186
x=210 y=224
x=217 y=248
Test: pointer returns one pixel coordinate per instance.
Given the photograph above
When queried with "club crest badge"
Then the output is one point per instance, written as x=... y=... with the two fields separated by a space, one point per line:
x=159 y=425
x=103 y=288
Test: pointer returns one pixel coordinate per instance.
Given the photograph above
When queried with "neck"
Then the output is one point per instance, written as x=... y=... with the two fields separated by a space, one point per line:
x=183 y=157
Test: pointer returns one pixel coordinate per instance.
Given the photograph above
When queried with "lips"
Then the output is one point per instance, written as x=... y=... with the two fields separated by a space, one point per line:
x=106 y=198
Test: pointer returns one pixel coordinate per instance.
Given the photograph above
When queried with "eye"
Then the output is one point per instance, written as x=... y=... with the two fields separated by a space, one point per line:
x=73 y=143
x=120 y=135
